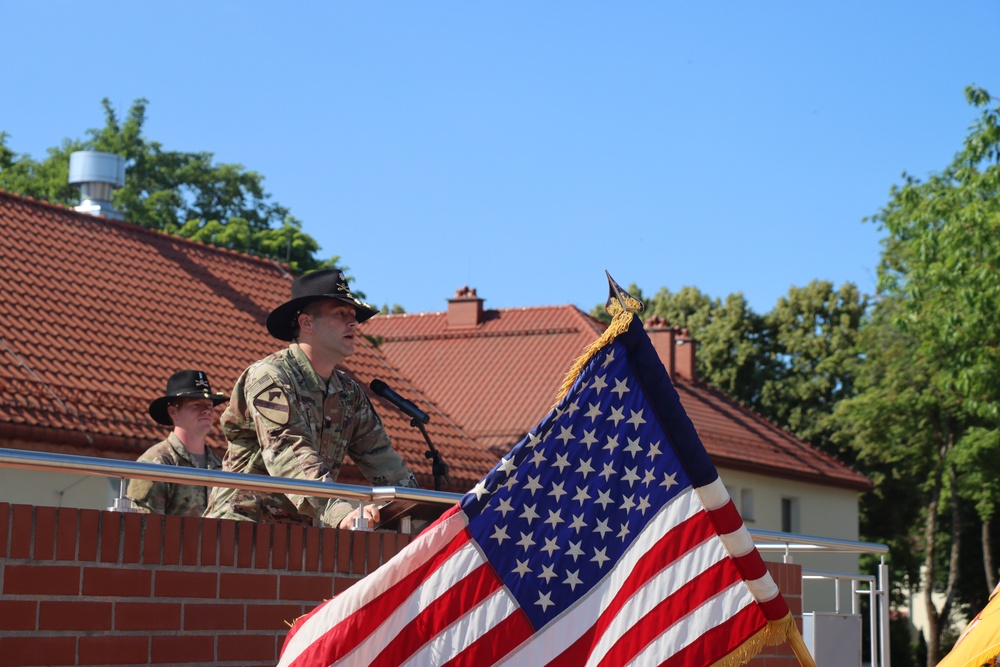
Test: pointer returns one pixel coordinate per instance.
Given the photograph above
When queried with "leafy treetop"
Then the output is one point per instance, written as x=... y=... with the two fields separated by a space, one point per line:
x=182 y=193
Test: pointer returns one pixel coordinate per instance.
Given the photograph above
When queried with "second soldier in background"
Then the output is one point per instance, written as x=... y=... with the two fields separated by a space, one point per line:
x=189 y=407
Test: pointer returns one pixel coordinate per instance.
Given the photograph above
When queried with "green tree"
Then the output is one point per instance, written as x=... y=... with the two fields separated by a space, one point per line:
x=811 y=336
x=732 y=350
x=791 y=365
x=899 y=433
x=46 y=181
x=7 y=156
x=187 y=194
x=977 y=460
x=688 y=308
x=930 y=392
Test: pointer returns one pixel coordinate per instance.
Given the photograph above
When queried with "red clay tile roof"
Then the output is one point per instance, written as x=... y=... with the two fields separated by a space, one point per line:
x=102 y=312
x=740 y=439
x=498 y=379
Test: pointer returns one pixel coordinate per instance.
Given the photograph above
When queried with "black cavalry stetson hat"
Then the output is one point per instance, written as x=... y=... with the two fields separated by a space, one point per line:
x=315 y=286
x=183 y=384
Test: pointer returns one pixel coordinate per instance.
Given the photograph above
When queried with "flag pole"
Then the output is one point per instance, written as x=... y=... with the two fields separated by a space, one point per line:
x=799 y=648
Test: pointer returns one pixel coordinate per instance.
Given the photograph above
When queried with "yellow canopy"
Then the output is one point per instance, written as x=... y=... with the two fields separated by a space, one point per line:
x=980 y=641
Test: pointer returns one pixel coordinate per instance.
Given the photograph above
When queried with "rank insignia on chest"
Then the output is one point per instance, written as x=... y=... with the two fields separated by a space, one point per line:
x=272 y=404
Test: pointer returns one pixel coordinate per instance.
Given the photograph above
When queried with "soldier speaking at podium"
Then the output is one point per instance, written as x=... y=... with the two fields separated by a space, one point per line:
x=293 y=414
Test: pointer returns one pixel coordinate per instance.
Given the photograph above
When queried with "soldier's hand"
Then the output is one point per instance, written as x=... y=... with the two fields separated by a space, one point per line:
x=371 y=512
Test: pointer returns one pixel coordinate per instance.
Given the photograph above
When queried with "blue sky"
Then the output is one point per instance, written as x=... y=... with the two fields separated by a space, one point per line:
x=523 y=148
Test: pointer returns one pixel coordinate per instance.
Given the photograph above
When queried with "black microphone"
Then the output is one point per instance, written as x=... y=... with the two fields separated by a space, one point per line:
x=408 y=408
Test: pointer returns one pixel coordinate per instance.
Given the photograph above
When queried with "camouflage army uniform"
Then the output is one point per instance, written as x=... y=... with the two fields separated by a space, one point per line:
x=284 y=420
x=171 y=497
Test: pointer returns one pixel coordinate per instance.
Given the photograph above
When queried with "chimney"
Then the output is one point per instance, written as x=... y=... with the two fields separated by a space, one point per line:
x=97 y=174
x=684 y=355
x=674 y=346
x=466 y=309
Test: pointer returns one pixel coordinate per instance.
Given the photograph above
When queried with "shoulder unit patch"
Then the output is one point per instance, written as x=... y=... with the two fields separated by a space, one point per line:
x=272 y=404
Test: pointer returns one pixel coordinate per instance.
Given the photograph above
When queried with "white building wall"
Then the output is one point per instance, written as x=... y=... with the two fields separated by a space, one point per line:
x=56 y=489
x=822 y=511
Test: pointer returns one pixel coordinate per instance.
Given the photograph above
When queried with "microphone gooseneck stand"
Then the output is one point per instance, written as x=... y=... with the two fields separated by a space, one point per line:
x=438 y=467
x=417 y=418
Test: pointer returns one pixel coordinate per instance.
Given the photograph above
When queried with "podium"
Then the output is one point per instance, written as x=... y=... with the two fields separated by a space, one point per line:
x=408 y=517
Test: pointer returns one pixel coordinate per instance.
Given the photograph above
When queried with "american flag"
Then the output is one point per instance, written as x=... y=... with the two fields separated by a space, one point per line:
x=605 y=537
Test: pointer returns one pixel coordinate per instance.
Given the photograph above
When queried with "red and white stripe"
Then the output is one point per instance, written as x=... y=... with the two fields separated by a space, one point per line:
x=682 y=594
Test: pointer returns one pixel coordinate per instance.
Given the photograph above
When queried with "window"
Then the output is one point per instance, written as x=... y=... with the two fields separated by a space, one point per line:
x=746 y=504
x=789 y=515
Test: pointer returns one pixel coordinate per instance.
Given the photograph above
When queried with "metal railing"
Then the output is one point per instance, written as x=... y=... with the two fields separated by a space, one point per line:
x=877 y=590
x=765 y=541
x=789 y=543
x=86 y=465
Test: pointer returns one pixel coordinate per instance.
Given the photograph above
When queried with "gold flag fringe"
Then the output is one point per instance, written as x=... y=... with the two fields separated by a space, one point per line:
x=775 y=632
x=619 y=325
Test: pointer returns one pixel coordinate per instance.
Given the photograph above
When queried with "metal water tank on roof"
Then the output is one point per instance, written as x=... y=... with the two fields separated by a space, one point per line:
x=97 y=175
x=92 y=166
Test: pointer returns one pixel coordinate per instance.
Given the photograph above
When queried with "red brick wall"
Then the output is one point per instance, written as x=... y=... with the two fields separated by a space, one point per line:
x=83 y=587
x=789 y=580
